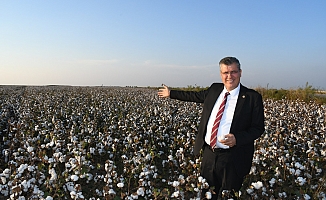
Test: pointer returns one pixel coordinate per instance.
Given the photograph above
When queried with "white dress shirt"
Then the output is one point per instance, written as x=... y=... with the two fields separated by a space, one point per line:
x=225 y=123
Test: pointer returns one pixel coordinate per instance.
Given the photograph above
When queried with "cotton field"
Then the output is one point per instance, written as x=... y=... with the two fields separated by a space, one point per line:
x=61 y=142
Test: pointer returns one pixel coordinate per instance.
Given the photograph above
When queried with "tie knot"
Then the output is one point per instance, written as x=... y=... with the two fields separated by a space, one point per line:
x=226 y=94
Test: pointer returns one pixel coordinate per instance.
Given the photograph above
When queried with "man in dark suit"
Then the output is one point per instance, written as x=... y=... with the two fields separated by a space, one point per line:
x=232 y=118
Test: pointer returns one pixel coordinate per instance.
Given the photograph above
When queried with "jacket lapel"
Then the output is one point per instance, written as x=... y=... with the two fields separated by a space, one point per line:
x=215 y=96
x=241 y=99
x=212 y=98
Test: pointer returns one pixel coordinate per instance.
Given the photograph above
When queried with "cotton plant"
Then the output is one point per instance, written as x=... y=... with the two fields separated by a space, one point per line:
x=89 y=141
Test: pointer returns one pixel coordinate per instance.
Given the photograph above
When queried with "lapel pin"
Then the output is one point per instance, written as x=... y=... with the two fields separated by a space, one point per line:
x=243 y=96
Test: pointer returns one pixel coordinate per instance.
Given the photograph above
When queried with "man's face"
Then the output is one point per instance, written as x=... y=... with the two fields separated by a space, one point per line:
x=230 y=75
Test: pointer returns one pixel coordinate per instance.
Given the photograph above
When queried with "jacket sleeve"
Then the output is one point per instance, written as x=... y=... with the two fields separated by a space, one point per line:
x=191 y=96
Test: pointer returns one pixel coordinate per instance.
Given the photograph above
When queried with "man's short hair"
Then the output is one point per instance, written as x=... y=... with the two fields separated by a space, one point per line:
x=229 y=61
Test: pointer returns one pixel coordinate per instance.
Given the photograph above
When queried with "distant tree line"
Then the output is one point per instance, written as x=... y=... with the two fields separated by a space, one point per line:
x=306 y=94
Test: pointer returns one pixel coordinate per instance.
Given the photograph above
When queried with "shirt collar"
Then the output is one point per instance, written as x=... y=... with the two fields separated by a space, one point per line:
x=234 y=92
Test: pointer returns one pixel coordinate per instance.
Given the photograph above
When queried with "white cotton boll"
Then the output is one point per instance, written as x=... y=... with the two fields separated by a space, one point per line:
x=6 y=172
x=72 y=161
x=314 y=187
x=74 y=178
x=70 y=186
x=203 y=180
x=140 y=191
x=3 y=180
x=297 y=172
x=301 y=181
x=54 y=175
x=306 y=196
x=191 y=162
x=111 y=191
x=31 y=168
x=323 y=152
x=282 y=195
x=322 y=195
x=41 y=179
x=26 y=185
x=98 y=192
x=22 y=168
x=257 y=185
x=208 y=195
x=120 y=185
x=50 y=144
x=30 y=149
x=57 y=154
x=175 y=194
x=175 y=183
x=308 y=175
x=89 y=176
x=205 y=185
x=133 y=196
x=292 y=171
x=221 y=138
x=32 y=181
x=49 y=198
x=200 y=179
x=73 y=194
x=36 y=190
x=278 y=172
x=46 y=157
x=163 y=162
x=272 y=182
x=6 y=152
x=252 y=170
x=80 y=195
x=299 y=166
x=148 y=157
x=4 y=190
x=250 y=191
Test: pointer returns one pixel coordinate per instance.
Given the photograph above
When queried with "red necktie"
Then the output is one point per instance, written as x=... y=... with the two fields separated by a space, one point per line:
x=217 y=121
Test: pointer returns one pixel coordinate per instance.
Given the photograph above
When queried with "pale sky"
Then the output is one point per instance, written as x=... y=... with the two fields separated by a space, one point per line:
x=279 y=43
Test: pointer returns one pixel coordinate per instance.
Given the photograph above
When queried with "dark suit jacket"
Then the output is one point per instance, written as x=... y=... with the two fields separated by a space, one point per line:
x=247 y=124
